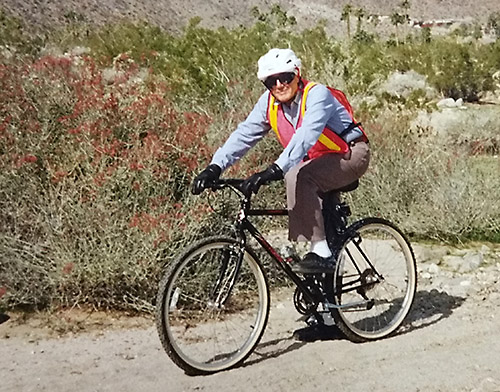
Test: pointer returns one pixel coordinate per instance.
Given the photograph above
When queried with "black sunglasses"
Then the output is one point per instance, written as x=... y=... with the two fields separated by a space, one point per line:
x=284 y=78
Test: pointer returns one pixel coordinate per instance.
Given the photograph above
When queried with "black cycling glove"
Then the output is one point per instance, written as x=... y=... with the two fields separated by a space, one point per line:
x=254 y=182
x=205 y=178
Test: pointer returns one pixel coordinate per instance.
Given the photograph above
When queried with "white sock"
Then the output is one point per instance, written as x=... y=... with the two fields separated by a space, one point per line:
x=321 y=248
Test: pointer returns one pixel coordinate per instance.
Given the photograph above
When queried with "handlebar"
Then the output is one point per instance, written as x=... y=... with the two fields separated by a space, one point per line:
x=235 y=183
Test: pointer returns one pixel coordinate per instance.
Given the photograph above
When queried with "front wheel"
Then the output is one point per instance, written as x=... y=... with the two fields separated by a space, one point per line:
x=374 y=282
x=212 y=306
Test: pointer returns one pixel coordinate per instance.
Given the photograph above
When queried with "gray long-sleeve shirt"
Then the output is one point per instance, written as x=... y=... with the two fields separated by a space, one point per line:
x=322 y=110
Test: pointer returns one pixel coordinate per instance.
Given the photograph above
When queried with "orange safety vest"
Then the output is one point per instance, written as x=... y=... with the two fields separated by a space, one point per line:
x=328 y=142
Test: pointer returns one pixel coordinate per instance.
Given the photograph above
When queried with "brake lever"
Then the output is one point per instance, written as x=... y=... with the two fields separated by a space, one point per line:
x=234 y=183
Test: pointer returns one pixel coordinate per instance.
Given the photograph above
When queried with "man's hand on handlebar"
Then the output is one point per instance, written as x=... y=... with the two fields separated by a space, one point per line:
x=253 y=183
x=205 y=179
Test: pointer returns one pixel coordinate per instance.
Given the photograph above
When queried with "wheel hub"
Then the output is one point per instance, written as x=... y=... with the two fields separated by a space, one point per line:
x=368 y=280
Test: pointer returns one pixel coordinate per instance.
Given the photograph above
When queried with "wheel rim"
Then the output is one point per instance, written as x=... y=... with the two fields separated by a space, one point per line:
x=206 y=329
x=391 y=293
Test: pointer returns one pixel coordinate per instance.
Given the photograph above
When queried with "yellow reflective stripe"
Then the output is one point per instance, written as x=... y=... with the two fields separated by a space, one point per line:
x=273 y=116
x=323 y=139
x=304 y=95
x=328 y=143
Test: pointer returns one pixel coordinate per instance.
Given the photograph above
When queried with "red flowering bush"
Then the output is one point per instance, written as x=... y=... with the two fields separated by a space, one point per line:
x=94 y=170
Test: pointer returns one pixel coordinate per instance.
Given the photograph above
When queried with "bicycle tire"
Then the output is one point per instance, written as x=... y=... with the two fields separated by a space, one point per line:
x=206 y=321
x=387 y=298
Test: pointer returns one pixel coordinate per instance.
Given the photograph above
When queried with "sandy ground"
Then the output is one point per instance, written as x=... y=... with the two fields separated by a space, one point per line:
x=450 y=342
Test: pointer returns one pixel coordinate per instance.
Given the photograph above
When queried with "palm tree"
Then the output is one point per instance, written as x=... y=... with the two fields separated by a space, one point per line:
x=360 y=14
x=401 y=18
x=346 y=17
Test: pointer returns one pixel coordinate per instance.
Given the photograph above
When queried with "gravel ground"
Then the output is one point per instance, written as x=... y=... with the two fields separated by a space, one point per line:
x=450 y=342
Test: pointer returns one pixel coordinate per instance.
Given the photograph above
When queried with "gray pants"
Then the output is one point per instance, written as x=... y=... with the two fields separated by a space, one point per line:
x=307 y=179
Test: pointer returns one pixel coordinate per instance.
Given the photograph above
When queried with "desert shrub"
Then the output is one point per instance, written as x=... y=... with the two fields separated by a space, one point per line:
x=11 y=30
x=455 y=73
x=430 y=189
x=493 y=24
x=199 y=63
x=94 y=174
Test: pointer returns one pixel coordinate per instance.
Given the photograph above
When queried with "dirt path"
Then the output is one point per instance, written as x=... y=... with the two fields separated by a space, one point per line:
x=451 y=342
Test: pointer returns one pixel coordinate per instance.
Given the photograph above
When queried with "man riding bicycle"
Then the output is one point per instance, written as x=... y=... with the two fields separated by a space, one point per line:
x=324 y=149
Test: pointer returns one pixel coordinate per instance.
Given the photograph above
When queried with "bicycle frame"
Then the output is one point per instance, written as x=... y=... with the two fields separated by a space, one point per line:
x=243 y=225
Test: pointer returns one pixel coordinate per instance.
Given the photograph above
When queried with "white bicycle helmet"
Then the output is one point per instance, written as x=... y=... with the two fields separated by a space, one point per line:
x=277 y=61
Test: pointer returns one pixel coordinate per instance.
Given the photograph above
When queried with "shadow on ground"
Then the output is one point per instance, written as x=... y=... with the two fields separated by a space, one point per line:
x=277 y=347
x=273 y=349
x=4 y=318
x=429 y=307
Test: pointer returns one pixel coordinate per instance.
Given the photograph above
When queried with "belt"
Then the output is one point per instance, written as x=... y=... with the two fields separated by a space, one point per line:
x=359 y=140
x=351 y=144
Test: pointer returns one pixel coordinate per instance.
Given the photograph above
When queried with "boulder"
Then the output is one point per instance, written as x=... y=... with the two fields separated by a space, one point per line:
x=471 y=262
x=434 y=269
x=452 y=262
x=450 y=103
x=401 y=85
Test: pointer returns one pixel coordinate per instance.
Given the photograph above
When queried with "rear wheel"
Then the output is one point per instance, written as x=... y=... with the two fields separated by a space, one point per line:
x=374 y=282
x=212 y=306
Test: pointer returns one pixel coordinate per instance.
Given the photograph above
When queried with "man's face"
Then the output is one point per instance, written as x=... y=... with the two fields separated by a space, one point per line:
x=283 y=86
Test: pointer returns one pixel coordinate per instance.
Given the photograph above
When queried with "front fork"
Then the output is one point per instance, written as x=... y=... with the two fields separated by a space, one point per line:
x=228 y=272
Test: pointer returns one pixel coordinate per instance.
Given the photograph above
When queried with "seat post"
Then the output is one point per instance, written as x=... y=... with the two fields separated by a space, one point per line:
x=335 y=214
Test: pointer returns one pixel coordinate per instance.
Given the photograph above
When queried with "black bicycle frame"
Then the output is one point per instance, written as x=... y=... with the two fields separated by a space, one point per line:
x=337 y=235
x=245 y=225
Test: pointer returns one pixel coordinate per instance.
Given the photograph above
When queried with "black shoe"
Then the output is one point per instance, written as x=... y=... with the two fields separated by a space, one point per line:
x=317 y=332
x=314 y=264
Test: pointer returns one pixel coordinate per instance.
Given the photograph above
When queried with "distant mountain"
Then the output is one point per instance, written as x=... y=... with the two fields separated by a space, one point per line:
x=172 y=15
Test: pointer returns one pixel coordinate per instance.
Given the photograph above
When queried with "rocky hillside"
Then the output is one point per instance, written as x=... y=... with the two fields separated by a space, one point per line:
x=173 y=14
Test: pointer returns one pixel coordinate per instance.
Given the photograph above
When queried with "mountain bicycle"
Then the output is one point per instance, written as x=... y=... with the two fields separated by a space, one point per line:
x=213 y=299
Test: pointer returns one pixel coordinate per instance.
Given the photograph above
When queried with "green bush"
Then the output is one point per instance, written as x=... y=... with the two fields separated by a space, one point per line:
x=431 y=189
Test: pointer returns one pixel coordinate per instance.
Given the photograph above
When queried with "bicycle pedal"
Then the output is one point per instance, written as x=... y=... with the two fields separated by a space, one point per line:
x=313 y=320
